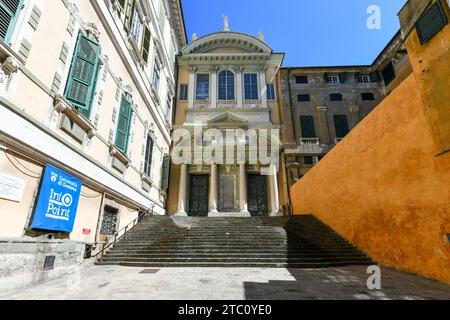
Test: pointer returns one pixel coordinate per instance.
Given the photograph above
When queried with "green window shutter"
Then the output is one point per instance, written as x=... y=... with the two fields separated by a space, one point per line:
x=123 y=125
x=9 y=12
x=83 y=74
x=146 y=44
x=165 y=173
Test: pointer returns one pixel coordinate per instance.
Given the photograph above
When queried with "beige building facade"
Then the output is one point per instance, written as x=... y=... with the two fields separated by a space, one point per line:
x=227 y=85
x=87 y=87
x=321 y=105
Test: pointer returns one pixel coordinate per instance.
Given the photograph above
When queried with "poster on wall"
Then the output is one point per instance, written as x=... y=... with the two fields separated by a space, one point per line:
x=11 y=188
x=58 y=201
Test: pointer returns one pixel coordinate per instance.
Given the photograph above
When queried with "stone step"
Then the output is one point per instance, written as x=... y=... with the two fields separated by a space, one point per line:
x=236 y=260
x=236 y=264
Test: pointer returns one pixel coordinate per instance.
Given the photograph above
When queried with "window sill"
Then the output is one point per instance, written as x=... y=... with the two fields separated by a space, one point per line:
x=64 y=106
x=116 y=153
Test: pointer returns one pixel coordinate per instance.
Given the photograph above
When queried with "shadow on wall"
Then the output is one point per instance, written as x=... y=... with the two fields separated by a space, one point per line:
x=383 y=189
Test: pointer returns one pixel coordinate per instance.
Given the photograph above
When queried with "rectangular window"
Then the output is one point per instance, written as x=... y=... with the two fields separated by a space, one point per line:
x=148 y=156
x=301 y=79
x=9 y=12
x=145 y=51
x=332 y=79
x=367 y=96
x=431 y=22
x=183 y=92
x=83 y=73
x=341 y=125
x=308 y=128
x=123 y=125
x=388 y=73
x=311 y=160
x=136 y=27
x=202 y=87
x=271 y=92
x=156 y=76
x=363 y=79
x=336 y=97
x=303 y=98
x=168 y=111
x=251 y=86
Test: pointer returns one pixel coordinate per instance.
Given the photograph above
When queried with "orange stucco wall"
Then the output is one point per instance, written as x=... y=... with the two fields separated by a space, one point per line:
x=384 y=189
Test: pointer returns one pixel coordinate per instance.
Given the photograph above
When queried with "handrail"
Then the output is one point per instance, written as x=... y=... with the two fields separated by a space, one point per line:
x=118 y=237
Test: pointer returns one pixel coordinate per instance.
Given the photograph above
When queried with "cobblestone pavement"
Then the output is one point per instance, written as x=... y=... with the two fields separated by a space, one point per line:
x=117 y=283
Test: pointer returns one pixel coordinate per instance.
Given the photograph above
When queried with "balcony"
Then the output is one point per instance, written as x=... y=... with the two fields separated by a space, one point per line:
x=308 y=146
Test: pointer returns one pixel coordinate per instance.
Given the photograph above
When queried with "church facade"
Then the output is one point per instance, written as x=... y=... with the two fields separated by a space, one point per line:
x=228 y=122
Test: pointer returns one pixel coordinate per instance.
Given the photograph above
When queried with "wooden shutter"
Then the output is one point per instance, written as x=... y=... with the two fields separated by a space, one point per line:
x=341 y=126
x=308 y=128
x=9 y=11
x=123 y=125
x=83 y=74
x=146 y=44
x=165 y=173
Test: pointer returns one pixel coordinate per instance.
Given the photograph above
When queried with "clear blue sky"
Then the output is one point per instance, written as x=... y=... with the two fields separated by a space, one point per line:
x=310 y=32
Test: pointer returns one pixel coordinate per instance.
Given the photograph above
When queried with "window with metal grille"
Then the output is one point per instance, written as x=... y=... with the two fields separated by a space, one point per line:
x=368 y=96
x=303 y=98
x=363 y=79
x=109 y=221
x=332 y=79
x=336 y=97
x=301 y=79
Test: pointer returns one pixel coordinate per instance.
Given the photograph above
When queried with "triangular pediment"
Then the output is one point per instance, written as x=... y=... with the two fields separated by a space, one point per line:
x=228 y=119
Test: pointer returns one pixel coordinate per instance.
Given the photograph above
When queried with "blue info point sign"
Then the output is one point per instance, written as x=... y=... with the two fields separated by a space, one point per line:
x=58 y=201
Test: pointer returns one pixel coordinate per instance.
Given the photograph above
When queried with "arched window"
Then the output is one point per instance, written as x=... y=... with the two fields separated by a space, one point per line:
x=226 y=85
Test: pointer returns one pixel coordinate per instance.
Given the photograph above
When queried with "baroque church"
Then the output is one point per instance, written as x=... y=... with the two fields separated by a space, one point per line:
x=227 y=83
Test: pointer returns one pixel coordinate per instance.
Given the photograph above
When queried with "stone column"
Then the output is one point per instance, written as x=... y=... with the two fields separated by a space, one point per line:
x=263 y=88
x=243 y=189
x=213 y=190
x=324 y=134
x=213 y=88
x=274 y=195
x=239 y=94
x=191 y=87
x=182 y=195
x=354 y=110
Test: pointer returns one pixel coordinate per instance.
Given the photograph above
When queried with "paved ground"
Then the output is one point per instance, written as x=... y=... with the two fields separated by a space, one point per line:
x=114 y=282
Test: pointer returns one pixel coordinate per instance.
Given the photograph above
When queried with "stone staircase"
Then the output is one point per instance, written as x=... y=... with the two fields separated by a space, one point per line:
x=296 y=242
